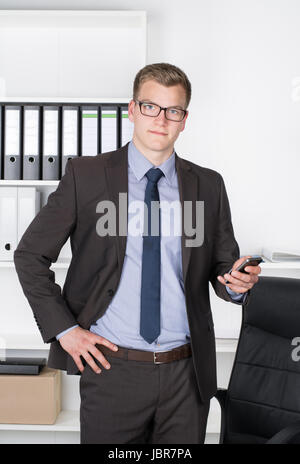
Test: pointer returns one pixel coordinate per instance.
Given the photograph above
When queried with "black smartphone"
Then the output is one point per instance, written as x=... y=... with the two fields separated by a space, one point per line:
x=253 y=261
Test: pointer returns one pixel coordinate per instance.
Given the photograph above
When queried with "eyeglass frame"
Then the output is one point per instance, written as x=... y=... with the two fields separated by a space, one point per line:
x=161 y=108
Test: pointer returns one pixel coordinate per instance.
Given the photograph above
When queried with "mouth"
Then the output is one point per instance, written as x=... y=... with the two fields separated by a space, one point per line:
x=157 y=133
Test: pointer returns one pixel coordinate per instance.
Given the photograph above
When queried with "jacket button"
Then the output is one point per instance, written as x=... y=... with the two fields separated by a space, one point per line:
x=110 y=292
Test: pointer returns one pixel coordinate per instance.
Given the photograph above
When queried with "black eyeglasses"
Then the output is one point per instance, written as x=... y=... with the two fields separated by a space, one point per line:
x=153 y=110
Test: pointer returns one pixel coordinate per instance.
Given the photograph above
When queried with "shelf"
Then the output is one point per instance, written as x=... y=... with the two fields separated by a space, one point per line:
x=85 y=50
x=67 y=421
x=20 y=341
x=283 y=265
x=226 y=345
x=62 y=100
x=31 y=183
x=72 y=18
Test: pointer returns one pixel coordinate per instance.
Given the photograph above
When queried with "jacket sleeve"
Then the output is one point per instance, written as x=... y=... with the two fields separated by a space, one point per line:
x=38 y=248
x=225 y=248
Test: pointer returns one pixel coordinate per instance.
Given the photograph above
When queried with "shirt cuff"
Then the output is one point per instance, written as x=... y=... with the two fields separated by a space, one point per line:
x=236 y=296
x=65 y=331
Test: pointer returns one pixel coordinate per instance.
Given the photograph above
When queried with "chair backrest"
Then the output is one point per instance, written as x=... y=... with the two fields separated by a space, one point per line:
x=264 y=389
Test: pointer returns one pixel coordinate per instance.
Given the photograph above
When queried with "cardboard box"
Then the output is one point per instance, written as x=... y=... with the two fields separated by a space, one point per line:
x=30 y=399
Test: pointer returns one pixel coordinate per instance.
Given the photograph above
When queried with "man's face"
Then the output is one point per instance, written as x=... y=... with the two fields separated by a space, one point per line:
x=157 y=133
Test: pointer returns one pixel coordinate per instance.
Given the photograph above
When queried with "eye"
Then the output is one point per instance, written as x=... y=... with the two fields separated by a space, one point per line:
x=147 y=106
x=173 y=111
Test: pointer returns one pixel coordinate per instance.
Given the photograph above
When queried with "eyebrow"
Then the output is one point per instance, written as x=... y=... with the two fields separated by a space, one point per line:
x=172 y=106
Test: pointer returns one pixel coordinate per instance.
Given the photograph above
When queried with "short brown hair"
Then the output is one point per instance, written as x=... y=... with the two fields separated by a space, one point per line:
x=165 y=74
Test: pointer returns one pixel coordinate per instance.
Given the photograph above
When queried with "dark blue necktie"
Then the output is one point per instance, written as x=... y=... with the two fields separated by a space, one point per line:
x=150 y=288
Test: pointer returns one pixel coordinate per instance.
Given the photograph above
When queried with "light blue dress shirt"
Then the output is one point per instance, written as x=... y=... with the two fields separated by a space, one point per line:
x=121 y=322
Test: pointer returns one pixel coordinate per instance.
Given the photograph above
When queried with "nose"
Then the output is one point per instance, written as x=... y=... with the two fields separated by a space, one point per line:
x=161 y=116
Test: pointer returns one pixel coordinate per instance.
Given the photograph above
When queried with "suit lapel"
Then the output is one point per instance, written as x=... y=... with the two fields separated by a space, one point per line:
x=116 y=167
x=117 y=182
x=188 y=191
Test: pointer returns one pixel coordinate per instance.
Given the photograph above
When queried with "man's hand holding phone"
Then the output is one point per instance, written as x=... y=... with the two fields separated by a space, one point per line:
x=80 y=342
x=243 y=275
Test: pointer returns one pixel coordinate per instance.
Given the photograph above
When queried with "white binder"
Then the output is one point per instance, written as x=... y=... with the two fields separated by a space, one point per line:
x=12 y=143
x=109 y=129
x=1 y=137
x=29 y=204
x=69 y=135
x=8 y=222
x=51 y=155
x=89 y=124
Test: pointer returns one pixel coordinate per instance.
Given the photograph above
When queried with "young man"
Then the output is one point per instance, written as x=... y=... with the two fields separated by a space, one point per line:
x=134 y=316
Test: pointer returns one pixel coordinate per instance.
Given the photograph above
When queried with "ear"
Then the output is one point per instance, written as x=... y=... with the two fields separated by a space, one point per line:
x=131 y=106
x=184 y=121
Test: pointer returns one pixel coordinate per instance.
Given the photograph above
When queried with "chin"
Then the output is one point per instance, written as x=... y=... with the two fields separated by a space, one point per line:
x=158 y=145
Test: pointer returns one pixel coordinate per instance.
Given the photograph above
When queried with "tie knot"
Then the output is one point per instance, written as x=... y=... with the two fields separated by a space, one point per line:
x=154 y=174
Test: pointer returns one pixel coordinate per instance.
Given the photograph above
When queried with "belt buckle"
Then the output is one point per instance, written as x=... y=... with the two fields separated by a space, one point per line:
x=154 y=354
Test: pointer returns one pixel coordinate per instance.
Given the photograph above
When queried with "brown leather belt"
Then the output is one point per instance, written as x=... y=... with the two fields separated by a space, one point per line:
x=156 y=357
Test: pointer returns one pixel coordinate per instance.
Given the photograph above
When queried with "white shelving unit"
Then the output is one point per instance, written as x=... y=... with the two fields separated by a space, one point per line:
x=68 y=54
x=59 y=56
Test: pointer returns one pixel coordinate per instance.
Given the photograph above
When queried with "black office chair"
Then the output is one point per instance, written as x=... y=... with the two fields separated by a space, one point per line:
x=262 y=402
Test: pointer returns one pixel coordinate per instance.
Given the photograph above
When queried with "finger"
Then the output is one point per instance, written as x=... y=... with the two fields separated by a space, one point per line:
x=237 y=288
x=100 y=357
x=250 y=278
x=78 y=362
x=222 y=280
x=235 y=281
x=91 y=362
x=104 y=341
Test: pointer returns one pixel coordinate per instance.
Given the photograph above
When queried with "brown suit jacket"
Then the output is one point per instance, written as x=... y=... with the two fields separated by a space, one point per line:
x=96 y=266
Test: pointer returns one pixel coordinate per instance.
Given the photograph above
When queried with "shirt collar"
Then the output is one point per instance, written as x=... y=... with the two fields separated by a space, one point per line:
x=140 y=164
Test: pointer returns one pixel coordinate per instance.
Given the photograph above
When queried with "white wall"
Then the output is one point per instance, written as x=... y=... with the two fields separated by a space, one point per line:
x=242 y=58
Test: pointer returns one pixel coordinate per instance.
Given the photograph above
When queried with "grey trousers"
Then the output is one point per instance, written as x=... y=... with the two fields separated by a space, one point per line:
x=137 y=402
